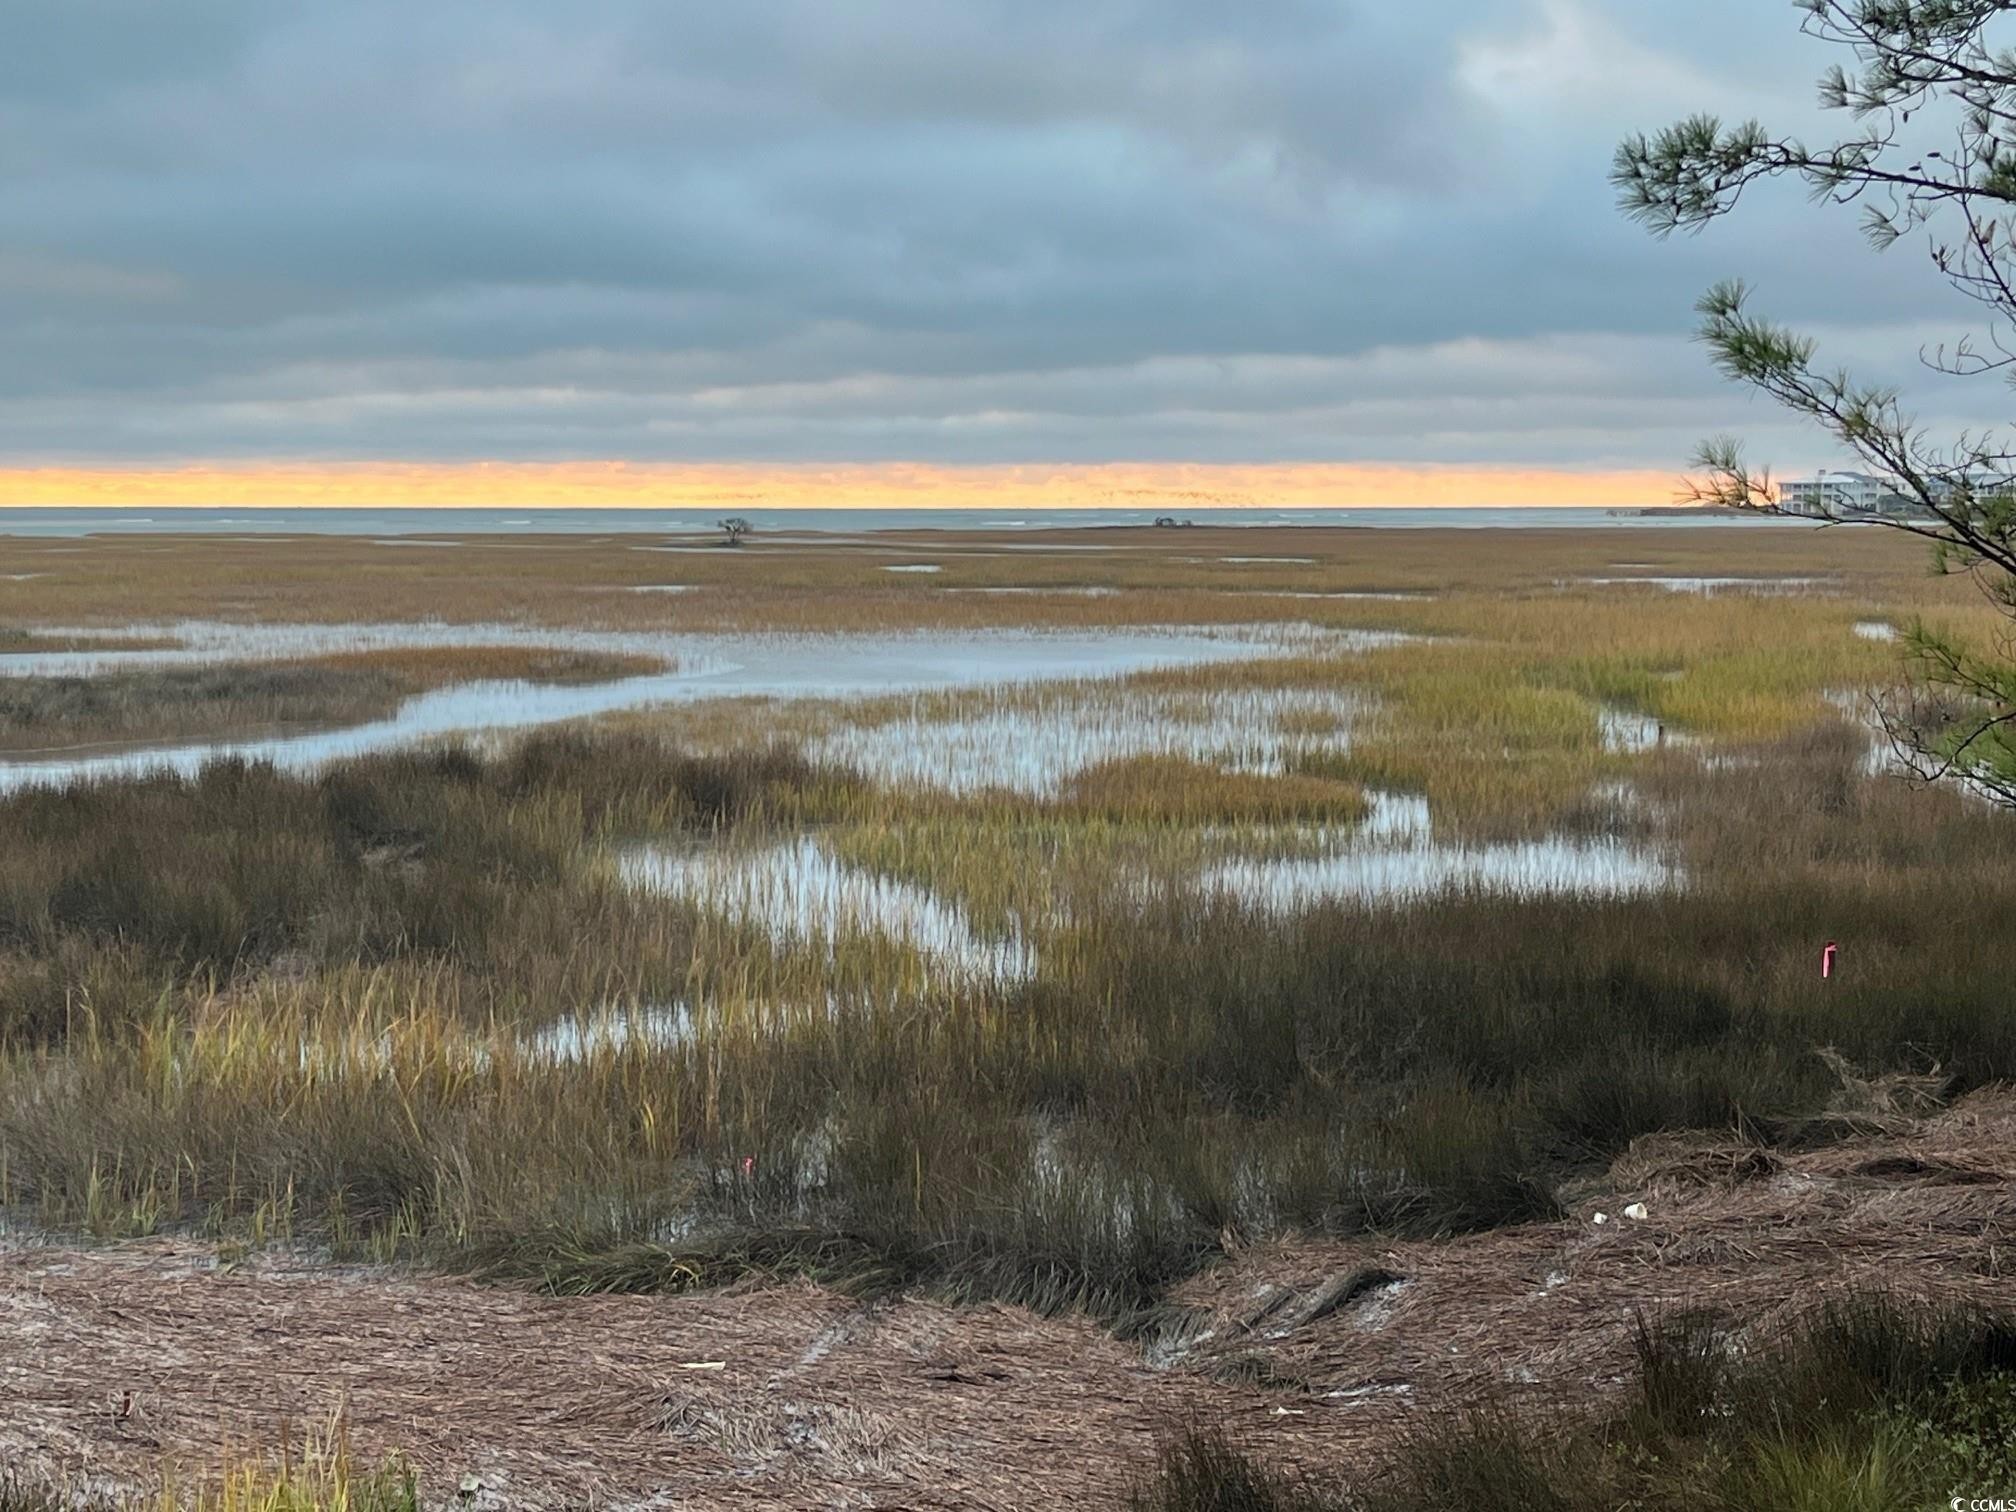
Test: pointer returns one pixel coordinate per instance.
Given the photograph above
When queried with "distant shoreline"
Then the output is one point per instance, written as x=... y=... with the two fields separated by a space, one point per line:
x=33 y=521
x=1693 y=511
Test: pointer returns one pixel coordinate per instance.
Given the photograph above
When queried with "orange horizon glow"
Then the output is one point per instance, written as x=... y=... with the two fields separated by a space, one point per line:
x=652 y=485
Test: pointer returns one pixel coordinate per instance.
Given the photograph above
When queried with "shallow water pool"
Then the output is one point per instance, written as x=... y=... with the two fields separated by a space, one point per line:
x=698 y=667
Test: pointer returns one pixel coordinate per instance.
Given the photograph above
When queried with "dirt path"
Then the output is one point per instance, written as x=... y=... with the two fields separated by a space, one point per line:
x=793 y=1397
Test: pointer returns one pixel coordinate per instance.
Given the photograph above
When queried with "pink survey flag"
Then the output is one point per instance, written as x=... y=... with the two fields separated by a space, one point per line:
x=1827 y=954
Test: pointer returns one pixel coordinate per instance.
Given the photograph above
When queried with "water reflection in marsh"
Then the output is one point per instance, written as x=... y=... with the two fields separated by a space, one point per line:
x=697 y=667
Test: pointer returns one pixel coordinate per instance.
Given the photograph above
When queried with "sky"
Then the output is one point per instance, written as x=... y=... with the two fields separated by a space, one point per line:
x=802 y=251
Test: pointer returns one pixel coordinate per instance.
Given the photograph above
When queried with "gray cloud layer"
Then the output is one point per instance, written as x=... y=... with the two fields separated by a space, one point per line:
x=957 y=230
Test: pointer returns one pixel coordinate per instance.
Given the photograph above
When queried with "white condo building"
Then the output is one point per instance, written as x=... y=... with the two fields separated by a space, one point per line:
x=1843 y=492
x=1833 y=494
x=1837 y=493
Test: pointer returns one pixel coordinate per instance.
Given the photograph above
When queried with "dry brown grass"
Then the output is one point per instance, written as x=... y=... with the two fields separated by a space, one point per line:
x=1749 y=1234
x=1311 y=1354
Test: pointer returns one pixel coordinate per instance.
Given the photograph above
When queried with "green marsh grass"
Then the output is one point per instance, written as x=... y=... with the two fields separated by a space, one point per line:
x=1173 y=790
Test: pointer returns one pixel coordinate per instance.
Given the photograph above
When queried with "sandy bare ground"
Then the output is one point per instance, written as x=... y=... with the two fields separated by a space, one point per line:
x=789 y=1396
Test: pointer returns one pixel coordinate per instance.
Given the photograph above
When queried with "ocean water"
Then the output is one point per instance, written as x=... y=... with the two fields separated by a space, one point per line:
x=20 y=521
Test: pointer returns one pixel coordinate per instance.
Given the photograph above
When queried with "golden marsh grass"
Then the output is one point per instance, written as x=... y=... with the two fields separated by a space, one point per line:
x=209 y=700
x=938 y=988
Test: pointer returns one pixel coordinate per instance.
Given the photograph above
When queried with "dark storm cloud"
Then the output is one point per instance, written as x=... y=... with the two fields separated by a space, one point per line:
x=948 y=229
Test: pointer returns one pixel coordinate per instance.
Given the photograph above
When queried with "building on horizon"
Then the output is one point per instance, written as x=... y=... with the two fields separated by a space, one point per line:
x=1831 y=495
x=1828 y=494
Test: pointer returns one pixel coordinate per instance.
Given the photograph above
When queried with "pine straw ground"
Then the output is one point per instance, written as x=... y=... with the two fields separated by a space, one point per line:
x=1311 y=1354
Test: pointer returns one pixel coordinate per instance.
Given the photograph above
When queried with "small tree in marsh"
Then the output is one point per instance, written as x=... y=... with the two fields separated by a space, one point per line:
x=1930 y=87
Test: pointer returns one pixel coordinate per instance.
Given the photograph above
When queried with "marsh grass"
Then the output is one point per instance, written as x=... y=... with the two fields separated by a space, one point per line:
x=15 y=641
x=823 y=584
x=42 y=713
x=119 y=893
x=1496 y=714
x=282 y=1007
x=1173 y=790
x=322 y=1473
x=269 y=1006
x=319 y=1473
